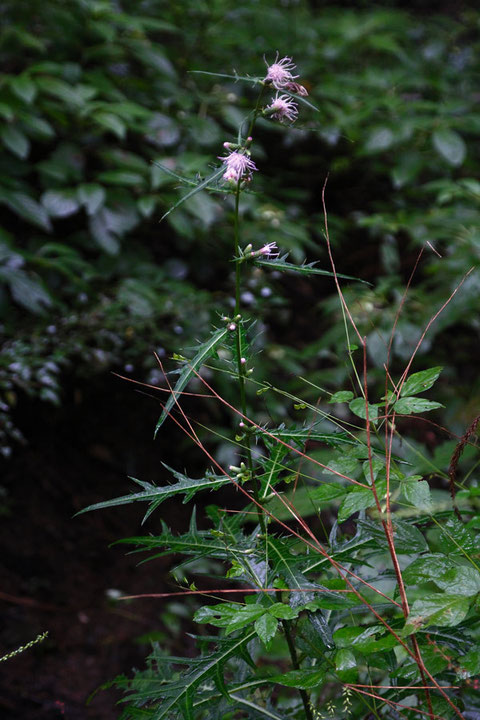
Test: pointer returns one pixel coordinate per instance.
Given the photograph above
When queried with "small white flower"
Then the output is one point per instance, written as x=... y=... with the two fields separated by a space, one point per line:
x=282 y=108
x=279 y=72
x=238 y=166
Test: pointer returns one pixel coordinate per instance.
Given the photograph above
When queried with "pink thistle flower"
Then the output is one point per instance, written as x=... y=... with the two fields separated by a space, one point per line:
x=269 y=251
x=279 y=73
x=238 y=166
x=283 y=108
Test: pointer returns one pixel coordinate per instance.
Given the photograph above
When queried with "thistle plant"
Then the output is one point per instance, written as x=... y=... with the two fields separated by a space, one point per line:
x=351 y=586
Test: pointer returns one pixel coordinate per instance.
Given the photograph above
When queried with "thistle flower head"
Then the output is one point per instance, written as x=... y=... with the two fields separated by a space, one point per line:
x=282 y=108
x=270 y=251
x=280 y=72
x=238 y=166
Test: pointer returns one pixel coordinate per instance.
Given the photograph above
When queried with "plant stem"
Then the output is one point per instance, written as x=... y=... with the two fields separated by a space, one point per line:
x=240 y=367
x=295 y=664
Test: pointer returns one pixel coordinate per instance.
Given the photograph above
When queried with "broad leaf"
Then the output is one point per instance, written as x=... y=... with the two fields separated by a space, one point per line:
x=27 y=208
x=359 y=499
x=417 y=493
x=456 y=538
x=15 y=141
x=26 y=291
x=303 y=679
x=92 y=196
x=341 y=396
x=60 y=203
x=436 y=609
x=450 y=575
x=266 y=627
x=450 y=145
x=420 y=381
x=408 y=405
x=24 y=88
x=359 y=409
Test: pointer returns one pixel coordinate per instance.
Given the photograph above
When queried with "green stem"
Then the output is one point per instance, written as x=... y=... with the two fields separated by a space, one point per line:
x=240 y=367
x=295 y=664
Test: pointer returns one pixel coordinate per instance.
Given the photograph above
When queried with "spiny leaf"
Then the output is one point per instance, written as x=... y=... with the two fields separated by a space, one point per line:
x=306 y=269
x=200 y=186
x=179 y=692
x=156 y=495
x=204 y=352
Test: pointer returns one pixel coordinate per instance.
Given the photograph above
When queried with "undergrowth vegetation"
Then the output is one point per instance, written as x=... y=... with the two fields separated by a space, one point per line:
x=342 y=578
x=87 y=275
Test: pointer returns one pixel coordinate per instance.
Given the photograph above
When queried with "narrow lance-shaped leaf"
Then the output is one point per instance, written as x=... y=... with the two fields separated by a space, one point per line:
x=156 y=495
x=200 y=186
x=180 y=693
x=255 y=81
x=308 y=269
x=205 y=351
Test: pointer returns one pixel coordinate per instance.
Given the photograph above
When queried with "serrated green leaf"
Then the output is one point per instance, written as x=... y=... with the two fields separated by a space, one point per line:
x=244 y=616
x=356 y=499
x=450 y=145
x=456 y=538
x=204 y=352
x=156 y=495
x=364 y=639
x=345 y=465
x=302 y=435
x=175 y=693
x=417 y=493
x=420 y=381
x=266 y=627
x=408 y=405
x=408 y=538
x=282 y=611
x=436 y=609
x=327 y=492
x=308 y=269
x=450 y=575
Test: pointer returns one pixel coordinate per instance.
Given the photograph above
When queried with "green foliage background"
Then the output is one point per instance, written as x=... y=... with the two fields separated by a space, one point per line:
x=93 y=93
